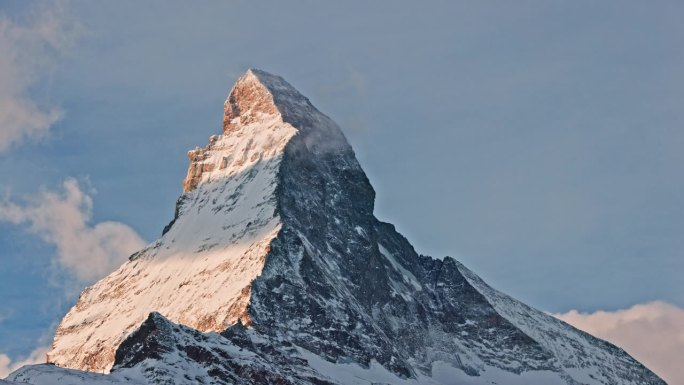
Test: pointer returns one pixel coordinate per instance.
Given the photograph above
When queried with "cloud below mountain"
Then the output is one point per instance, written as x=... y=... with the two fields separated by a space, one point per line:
x=62 y=218
x=653 y=333
x=7 y=366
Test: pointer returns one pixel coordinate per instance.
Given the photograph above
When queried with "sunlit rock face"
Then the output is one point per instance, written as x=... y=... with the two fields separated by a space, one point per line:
x=199 y=273
x=274 y=246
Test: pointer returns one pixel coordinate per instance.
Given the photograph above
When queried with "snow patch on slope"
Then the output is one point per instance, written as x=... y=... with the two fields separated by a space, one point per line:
x=442 y=374
x=46 y=374
x=407 y=275
x=583 y=358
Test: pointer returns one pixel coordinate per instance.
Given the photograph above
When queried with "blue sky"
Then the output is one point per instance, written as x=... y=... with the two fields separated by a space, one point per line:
x=538 y=142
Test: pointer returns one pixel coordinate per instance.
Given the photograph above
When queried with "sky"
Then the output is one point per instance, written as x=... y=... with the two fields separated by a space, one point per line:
x=538 y=142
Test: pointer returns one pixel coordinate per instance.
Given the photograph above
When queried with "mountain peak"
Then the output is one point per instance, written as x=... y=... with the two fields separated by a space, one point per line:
x=258 y=94
x=274 y=245
x=262 y=112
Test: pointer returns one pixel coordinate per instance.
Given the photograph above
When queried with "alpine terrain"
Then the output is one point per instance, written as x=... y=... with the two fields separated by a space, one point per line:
x=274 y=270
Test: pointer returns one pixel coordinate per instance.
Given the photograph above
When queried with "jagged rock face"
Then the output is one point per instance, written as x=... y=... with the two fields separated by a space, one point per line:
x=247 y=103
x=275 y=245
x=200 y=272
x=368 y=294
x=235 y=357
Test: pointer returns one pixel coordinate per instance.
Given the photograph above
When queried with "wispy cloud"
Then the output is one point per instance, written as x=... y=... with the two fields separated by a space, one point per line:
x=28 y=50
x=62 y=218
x=7 y=365
x=653 y=333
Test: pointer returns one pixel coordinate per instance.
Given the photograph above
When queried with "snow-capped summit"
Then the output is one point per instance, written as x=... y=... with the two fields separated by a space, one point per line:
x=275 y=270
x=258 y=94
x=199 y=272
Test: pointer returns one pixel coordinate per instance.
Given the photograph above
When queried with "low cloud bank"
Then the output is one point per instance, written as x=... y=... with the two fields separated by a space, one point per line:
x=62 y=218
x=653 y=333
x=7 y=366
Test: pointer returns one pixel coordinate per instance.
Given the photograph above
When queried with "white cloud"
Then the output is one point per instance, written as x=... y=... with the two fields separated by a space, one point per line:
x=653 y=333
x=27 y=52
x=62 y=218
x=7 y=366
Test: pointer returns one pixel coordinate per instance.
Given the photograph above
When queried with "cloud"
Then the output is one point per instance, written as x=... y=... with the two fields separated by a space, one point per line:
x=7 y=366
x=27 y=52
x=62 y=218
x=653 y=333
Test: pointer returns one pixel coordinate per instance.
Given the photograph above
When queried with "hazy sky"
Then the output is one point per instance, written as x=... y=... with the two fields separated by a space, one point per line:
x=539 y=142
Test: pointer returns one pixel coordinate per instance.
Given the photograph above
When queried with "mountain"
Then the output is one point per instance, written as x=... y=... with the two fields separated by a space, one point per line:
x=274 y=270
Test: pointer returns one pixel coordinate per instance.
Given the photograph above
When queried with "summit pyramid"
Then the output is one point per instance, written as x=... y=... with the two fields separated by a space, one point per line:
x=275 y=270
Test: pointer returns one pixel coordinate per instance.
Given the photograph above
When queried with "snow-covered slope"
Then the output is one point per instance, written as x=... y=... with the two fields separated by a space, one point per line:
x=161 y=352
x=275 y=252
x=199 y=272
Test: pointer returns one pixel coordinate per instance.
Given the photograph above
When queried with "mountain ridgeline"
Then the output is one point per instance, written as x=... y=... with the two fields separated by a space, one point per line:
x=274 y=270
